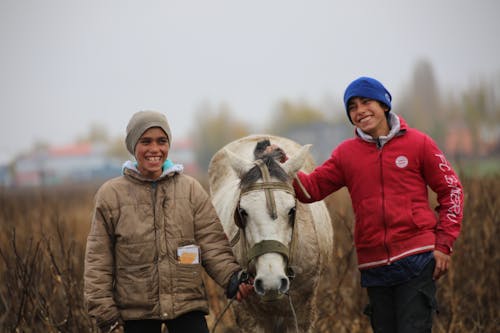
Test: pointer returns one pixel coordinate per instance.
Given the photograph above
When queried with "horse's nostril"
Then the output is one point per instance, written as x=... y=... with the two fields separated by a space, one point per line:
x=279 y=285
x=258 y=285
x=284 y=285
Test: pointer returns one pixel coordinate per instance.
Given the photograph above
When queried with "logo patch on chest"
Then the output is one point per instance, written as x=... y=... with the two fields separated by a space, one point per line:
x=401 y=161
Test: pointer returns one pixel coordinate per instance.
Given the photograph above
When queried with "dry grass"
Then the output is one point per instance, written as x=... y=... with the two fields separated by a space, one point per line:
x=42 y=237
x=42 y=241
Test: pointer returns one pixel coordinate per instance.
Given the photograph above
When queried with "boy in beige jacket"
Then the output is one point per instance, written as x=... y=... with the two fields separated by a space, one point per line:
x=153 y=231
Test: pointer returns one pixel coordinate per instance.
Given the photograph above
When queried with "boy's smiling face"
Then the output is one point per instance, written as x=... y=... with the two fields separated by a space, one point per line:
x=369 y=115
x=151 y=152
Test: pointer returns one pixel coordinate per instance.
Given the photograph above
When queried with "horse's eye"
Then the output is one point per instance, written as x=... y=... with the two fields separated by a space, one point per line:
x=292 y=211
x=242 y=212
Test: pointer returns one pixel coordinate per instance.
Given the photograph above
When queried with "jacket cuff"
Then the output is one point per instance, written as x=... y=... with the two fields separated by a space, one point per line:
x=444 y=243
x=444 y=248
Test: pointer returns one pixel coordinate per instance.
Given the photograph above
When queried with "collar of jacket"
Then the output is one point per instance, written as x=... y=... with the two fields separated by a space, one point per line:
x=397 y=125
x=129 y=168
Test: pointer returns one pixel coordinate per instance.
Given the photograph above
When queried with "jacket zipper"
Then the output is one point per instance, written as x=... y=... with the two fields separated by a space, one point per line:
x=382 y=192
x=159 y=243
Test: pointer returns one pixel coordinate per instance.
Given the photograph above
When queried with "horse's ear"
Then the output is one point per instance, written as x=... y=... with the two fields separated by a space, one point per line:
x=296 y=162
x=238 y=164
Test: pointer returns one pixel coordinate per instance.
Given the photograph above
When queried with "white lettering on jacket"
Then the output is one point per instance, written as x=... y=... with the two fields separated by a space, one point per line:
x=455 y=191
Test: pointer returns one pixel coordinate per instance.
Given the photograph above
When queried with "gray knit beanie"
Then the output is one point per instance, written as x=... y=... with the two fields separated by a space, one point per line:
x=142 y=121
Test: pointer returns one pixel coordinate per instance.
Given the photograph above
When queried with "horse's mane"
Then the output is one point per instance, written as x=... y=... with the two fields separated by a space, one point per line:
x=270 y=160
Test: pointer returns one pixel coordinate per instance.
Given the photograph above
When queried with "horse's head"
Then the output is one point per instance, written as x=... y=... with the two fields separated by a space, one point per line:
x=265 y=216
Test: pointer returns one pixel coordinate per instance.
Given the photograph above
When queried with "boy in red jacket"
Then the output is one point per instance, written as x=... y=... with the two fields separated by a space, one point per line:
x=402 y=245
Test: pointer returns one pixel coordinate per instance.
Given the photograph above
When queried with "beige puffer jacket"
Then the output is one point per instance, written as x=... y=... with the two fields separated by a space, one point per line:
x=131 y=265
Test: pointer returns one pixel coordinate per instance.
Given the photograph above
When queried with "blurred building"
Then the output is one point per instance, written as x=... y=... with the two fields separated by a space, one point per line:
x=323 y=136
x=182 y=152
x=458 y=142
x=79 y=163
x=5 y=176
x=461 y=143
x=74 y=163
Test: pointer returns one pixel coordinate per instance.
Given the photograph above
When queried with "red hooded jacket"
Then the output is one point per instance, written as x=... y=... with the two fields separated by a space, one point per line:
x=388 y=189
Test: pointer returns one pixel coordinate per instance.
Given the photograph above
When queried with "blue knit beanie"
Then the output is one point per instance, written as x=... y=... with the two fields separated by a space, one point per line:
x=368 y=88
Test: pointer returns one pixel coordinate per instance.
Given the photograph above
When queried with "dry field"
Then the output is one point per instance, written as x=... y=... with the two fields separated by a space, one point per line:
x=42 y=241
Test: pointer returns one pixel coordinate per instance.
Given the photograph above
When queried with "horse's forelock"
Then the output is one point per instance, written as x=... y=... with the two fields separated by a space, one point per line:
x=260 y=148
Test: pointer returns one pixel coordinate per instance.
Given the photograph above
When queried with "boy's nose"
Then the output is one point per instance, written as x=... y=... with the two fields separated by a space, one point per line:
x=155 y=146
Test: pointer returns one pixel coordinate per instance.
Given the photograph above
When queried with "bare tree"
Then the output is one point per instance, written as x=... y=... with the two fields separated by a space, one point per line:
x=215 y=128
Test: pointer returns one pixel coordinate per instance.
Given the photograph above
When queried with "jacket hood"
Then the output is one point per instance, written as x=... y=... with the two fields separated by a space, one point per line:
x=397 y=124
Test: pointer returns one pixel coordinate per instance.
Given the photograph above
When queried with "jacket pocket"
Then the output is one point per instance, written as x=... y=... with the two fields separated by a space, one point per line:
x=399 y=217
x=140 y=253
x=369 y=227
x=189 y=284
x=134 y=286
x=424 y=218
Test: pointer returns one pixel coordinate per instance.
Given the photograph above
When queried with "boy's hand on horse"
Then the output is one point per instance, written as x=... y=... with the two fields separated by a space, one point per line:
x=275 y=148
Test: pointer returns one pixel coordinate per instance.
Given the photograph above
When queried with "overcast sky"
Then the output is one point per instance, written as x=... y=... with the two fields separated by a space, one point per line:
x=65 y=64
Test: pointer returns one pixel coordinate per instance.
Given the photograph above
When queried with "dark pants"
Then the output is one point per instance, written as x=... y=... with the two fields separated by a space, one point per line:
x=404 y=308
x=189 y=322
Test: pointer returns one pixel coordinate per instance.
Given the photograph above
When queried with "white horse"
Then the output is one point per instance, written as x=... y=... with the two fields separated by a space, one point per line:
x=282 y=243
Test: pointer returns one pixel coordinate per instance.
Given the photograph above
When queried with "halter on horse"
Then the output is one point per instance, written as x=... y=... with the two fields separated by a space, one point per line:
x=250 y=182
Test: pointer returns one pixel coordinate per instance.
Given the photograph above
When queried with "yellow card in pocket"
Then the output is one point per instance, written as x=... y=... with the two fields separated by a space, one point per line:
x=189 y=254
